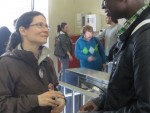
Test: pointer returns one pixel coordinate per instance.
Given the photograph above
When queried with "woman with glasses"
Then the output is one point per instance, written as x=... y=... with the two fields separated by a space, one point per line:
x=27 y=76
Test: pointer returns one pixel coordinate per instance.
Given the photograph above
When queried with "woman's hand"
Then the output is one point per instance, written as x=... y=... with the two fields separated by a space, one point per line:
x=48 y=98
x=70 y=58
x=60 y=107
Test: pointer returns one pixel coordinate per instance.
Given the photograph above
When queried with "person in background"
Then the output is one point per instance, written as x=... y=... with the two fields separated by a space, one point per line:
x=27 y=76
x=4 y=37
x=89 y=50
x=129 y=83
x=109 y=34
x=66 y=44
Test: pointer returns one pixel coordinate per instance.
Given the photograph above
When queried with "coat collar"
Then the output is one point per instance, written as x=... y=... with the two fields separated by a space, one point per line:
x=128 y=32
x=44 y=52
x=122 y=39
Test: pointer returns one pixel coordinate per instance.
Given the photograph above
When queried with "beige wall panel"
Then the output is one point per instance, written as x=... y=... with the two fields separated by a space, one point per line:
x=66 y=11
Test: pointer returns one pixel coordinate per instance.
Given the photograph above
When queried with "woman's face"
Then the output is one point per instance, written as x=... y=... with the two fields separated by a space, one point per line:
x=66 y=29
x=37 y=33
x=88 y=35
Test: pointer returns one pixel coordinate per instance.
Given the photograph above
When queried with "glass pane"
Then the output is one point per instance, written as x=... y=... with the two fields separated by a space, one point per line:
x=12 y=9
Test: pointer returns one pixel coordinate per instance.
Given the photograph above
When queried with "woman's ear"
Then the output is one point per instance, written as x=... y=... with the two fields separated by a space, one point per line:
x=22 y=31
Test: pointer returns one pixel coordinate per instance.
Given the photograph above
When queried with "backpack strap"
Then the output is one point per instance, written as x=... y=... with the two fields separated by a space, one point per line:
x=97 y=43
x=140 y=25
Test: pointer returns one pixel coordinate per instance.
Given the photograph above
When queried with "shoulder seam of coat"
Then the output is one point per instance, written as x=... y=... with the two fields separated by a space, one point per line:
x=140 y=25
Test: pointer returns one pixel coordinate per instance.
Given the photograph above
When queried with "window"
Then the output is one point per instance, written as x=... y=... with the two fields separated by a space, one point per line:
x=12 y=9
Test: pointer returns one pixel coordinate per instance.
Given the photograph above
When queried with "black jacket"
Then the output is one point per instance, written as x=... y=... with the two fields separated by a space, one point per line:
x=21 y=81
x=65 y=42
x=129 y=86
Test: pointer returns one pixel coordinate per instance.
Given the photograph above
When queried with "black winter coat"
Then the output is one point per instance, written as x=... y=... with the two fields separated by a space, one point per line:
x=129 y=85
x=66 y=43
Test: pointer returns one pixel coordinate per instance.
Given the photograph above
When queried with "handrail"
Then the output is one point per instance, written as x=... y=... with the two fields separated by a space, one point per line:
x=77 y=89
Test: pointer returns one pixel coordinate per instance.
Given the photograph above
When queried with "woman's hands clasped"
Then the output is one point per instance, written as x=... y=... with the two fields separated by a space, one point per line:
x=51 y=98
x=60 y=107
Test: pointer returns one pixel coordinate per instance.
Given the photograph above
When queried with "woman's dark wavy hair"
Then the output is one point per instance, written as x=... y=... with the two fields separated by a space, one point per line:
x=61 y=26
x=23 y=21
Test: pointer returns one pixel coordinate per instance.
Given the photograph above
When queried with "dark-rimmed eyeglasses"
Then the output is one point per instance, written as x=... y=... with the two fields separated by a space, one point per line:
x=40 y=25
